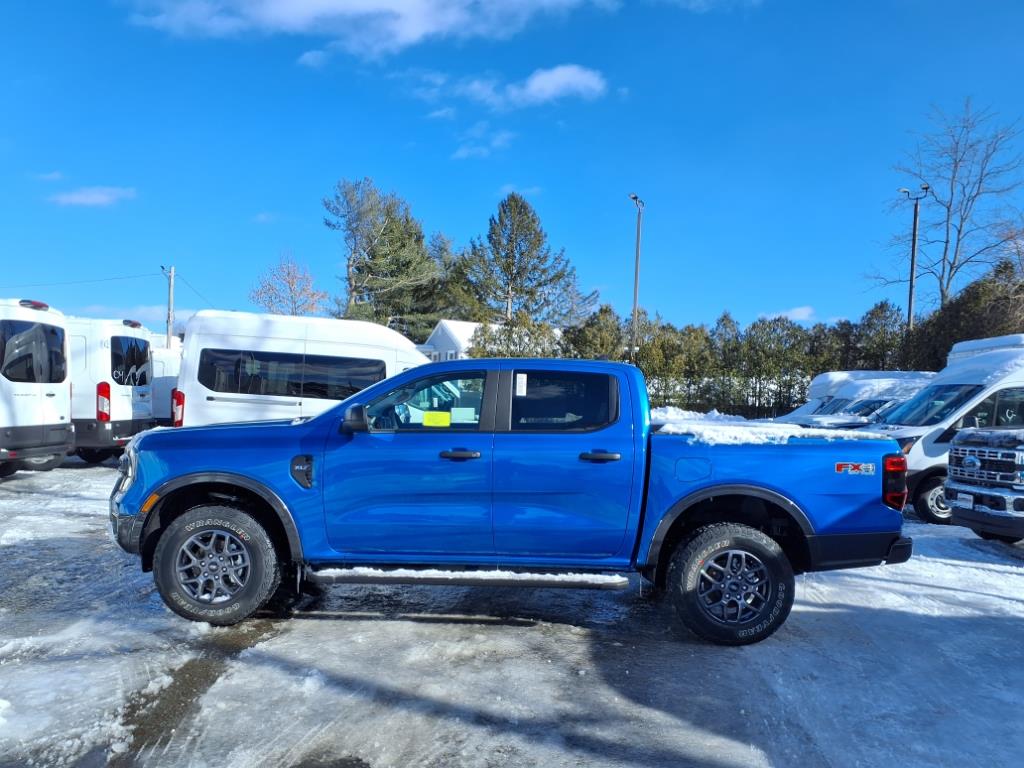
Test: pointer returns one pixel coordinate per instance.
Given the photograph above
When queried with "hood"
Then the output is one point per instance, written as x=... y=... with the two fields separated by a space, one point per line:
x=209 y=434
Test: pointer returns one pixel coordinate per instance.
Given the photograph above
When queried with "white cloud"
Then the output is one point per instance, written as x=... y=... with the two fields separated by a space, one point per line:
x=799 y=314
x=364 y=27
x=542 y=87
x=153 y=316
x=480 y=141
x=313 y=59
x=444 y=113
x=264 y=217
x=94 y=196
x=50 y=176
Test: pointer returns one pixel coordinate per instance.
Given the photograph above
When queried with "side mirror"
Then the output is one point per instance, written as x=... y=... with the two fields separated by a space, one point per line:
x=355 y=419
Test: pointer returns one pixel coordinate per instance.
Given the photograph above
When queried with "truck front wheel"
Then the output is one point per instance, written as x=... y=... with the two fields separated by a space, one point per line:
x=215 y=564
x=930 y=502
x=731 y=584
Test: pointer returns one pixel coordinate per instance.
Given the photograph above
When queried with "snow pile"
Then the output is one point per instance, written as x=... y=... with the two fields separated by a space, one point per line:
x=985 y=368
x=888 y=388
x=668 y=413
x=730 y=431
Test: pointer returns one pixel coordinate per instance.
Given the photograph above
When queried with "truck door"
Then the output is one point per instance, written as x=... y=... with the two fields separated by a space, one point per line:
x=419 y=481
x=563 y=464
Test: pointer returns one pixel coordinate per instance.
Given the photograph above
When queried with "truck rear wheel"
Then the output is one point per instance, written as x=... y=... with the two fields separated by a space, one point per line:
x=731 y=584
x=930 y=502
x=215 y=564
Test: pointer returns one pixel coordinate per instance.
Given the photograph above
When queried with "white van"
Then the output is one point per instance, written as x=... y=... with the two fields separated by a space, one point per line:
x=856 y=402
x=238 y=366
x=166 y=364
x=982 y=385
x=825 y=386
x=110 y=376
x=35 y=390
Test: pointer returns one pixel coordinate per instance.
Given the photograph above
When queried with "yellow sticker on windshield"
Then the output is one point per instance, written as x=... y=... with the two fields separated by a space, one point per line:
x=437 y=419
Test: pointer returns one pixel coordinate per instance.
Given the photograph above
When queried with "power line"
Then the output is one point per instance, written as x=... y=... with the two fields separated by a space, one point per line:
x=79 y=282
x=197 y=293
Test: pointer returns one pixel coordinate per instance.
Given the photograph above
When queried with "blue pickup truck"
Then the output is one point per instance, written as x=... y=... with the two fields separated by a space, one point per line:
x=540 y=473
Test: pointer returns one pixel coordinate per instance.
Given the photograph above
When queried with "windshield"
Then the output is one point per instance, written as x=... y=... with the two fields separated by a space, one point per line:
x=835 y=405
x=931 y=405
x=864 y=407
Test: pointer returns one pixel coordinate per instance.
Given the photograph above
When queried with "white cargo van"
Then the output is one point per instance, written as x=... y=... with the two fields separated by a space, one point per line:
x=35 y=389
x=856 y=402
x=110 y=376
x=981 y=386
x=166 y=364
x=825 y=386
x=238 y=366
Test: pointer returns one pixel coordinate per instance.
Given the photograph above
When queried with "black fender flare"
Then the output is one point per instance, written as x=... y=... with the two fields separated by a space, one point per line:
x=680 y=508
x=230 y=478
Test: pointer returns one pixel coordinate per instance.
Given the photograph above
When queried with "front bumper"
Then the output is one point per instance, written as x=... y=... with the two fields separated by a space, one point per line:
x=980 y=516
x=90 y=433
x=855 y=550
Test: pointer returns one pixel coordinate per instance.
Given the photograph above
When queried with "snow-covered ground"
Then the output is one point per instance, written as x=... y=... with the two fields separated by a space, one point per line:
x=920 y=664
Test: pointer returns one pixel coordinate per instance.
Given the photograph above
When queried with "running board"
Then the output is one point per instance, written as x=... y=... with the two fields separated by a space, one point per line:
x=479 y=578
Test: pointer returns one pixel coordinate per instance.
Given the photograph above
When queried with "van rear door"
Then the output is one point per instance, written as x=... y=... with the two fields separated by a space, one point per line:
x=35 y=402
x=131 y=373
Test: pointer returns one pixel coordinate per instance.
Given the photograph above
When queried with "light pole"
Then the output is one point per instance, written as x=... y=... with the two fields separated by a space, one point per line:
x=913 y=249
x=634 y=344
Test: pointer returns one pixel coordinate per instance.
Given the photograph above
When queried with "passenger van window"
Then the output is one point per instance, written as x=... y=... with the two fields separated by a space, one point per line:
x=557 y=401
x=447 y=401
x=129 y=360
x=285 y=374
x=32 y=352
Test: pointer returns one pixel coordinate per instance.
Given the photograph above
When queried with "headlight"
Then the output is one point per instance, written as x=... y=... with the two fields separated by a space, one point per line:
x=906 y=443
x=126 y=466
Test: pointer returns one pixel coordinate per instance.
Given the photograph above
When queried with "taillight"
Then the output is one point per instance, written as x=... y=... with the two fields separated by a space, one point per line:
x=894 y=480
x=177 y=407
x=103 y=401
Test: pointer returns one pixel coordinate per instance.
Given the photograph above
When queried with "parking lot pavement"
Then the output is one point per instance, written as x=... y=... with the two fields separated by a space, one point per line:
x=919 y=663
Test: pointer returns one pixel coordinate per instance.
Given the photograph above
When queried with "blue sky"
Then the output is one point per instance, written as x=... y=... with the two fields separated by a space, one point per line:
x=203 y=133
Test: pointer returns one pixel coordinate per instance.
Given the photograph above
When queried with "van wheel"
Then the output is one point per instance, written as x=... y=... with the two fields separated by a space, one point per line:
x=731 y=584
x=8 y=468
x=998 y=537
x=930 y=502
x=43 y=463
x=94 y=455
x=215 y=564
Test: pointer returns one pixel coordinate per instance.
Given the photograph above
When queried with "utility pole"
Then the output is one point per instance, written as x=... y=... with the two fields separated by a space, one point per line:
x=634 y=343
x=913 y=250
x=170 y=302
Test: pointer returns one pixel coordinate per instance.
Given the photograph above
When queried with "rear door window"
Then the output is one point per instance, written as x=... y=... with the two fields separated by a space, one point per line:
x=32 y=352
x=129 y=361
x=563 y=401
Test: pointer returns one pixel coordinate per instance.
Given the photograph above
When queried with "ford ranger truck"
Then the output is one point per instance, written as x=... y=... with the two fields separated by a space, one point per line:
x=540 y=473
x=985 y=484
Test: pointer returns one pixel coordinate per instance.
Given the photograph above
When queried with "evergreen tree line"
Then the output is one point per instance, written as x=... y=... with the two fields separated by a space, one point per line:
x=527 y=297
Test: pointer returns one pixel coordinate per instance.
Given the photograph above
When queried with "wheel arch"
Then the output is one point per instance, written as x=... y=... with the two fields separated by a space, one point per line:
x=778 y=516
x=187 y=491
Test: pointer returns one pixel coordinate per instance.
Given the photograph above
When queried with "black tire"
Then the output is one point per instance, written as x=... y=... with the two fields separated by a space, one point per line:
x=987 y=536
x=94 y=455
x=52 y=462
x=930 y=502
x=8 y=468
x=238 y=533
x=769 y=584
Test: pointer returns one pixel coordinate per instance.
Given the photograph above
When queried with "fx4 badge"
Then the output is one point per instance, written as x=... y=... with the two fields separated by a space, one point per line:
x=854 y=468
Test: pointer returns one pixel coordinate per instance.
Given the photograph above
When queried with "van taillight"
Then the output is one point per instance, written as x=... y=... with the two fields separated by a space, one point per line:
x=177 y=407
x=894 y=480
x=103 y=401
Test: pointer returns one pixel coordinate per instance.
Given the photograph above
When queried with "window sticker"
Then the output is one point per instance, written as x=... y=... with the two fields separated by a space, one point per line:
x=464 y=415
x=520 y=385
x=437 y=419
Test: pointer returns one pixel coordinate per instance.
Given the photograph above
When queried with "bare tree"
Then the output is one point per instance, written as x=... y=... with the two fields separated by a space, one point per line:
x=972 y=169
x=287 y=289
